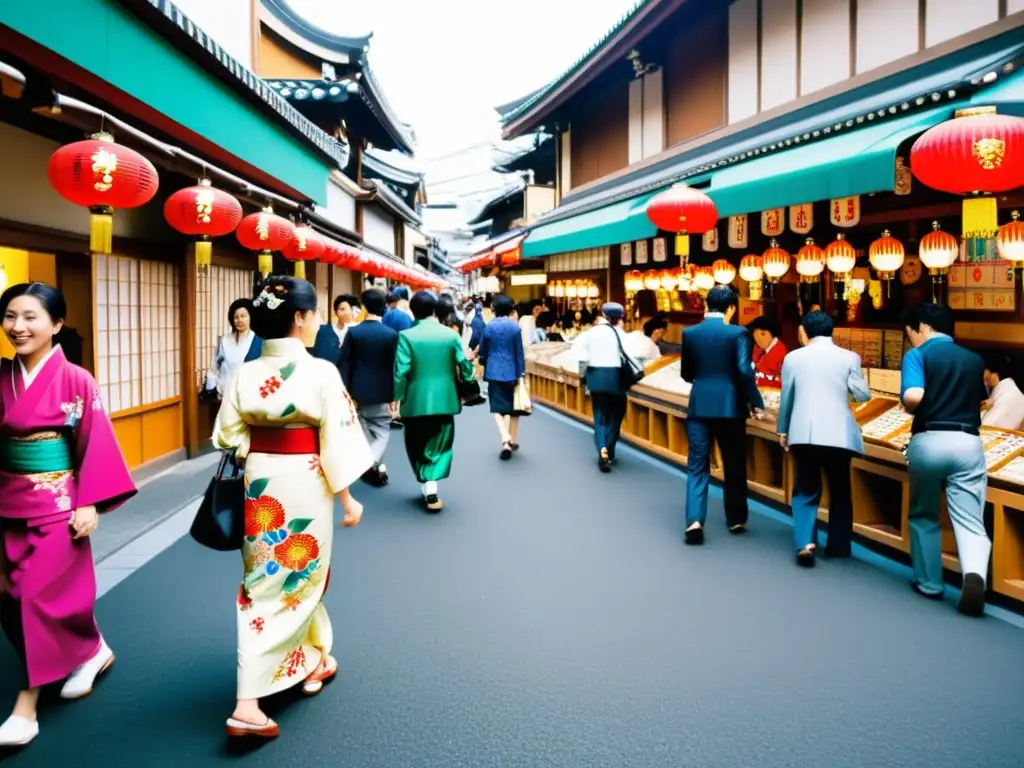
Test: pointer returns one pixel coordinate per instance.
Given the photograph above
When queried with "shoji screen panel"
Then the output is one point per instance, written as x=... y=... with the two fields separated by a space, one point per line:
x=160 y=332
x=118 y=364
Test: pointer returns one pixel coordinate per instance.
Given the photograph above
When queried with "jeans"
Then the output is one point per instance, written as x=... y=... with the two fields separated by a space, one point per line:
x=609 y=411
x=811 y=461
x=953 y=461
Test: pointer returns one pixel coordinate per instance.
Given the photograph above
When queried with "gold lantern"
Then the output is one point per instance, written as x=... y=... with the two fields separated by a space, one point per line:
x=751 y=271
x=886 y=255
x=704 y=280
x=1010 y=240
x=810 y=262
x=938 y=250
x=775 y=262
x=723 y=272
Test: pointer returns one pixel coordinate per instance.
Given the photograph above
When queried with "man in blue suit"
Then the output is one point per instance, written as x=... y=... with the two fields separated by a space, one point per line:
x=817 y=425
x=367 y=367
x=716 y=361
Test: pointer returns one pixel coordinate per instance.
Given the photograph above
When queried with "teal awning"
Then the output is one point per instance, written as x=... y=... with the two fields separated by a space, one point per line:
x=1006 y=94
x=855 y=163
x=621 y=222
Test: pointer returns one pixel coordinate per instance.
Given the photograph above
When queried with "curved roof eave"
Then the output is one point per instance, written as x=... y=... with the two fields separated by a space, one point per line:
x=354 y=47
x=403 y=176
x=402 y=133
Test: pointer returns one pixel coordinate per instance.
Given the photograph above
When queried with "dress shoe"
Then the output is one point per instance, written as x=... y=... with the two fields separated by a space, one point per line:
x=83 y=679
x=382 y=475
x=972 y=596
x=805 y=557
x=604 y=464
x=434 y=503
x=694 y=536
x=18 y=731
x=738 y=529
x=242 y=729
x=930 y=595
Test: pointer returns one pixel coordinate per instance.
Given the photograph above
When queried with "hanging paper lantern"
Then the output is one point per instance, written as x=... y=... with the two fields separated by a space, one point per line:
x=810 y=261
x=307 y=245
x=634 y=281
x=704 y=279
x=775 y=262
x=685 y=211
x=265 y=232
x=101 y=176
x=670 y=279
x=975 y=153
x=1010 y=240
x=840 y=257
x=652 y=280
x=205 y=212
x=886 y=255
x=723 y=272
x=750 y=268
x=938 y=250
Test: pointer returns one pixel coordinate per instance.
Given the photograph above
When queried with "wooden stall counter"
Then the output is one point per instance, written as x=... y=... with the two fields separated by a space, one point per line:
x=655 y=422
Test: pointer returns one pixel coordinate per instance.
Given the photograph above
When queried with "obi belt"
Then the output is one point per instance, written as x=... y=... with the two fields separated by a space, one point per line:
x=36 y=455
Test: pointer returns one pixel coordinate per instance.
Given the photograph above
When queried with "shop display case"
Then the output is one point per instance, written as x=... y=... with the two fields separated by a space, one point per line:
x=656 y=422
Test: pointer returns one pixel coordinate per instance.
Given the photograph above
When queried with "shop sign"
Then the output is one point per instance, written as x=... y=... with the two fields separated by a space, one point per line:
x=845 y=211
x=738 y=231
x=773 y=222
x=626 y=254
x=710 y=240
x=801 y=218
x=660 y=252
x=982 y=286
x=641 y=251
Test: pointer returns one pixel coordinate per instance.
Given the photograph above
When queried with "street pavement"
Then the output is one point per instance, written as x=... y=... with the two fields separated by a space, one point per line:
x=551 y=617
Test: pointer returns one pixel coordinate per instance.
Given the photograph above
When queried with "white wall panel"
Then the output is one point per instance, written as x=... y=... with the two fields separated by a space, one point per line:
x=743 y=81
x=886 y=30
x=229 y=22
x=946 y=19
x=341 y=207
x=654 y=113
x=636 y=120
x=825 y=43
x=379 y=229
x=778 y=52
x=566 y=177
x=1014 y=6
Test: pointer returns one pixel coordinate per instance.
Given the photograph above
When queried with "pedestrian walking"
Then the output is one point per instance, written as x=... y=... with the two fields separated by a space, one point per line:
x=60 y=470
x=428 y=359
x=290 y=420
x=233 y=348
x=368 y=370
x=504 y=361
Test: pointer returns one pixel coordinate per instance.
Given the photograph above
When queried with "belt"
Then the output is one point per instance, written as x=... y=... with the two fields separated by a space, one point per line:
x=277 y=440
x=36 y=457
x=950 y=426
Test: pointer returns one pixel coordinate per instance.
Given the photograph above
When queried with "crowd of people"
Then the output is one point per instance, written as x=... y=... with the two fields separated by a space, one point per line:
x=308 y=408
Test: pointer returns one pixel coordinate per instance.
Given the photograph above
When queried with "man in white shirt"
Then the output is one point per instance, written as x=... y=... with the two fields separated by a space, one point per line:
x=643 y=345
x=528 y=322
x=1005 y=400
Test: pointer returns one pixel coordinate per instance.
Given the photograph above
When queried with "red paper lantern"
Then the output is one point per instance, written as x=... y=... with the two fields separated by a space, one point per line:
x=265 y=232
x=684 y=210
x=976 y=152
x=810 y=262
x=775 y=262
x=205 y=212
x=101 y=176
x=1010 y=240
x=306 y=245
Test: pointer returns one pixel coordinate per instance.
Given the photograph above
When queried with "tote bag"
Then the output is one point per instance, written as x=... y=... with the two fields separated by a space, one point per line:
x=220 y=522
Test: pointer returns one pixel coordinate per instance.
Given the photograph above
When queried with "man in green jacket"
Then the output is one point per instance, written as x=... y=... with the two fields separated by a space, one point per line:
x=428 y=360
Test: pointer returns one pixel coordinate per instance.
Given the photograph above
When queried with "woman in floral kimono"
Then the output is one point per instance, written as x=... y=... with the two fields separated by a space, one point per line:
x=290 y=420
x=60 y=468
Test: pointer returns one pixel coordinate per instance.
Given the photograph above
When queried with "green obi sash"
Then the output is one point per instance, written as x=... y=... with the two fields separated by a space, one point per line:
x=35 y=457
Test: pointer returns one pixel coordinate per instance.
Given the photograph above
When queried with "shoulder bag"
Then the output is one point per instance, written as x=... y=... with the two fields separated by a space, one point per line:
x=630 y=371
x=220 y=522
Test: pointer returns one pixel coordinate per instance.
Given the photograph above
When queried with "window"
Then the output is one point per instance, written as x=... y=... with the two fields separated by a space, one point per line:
x=137 y=307
x=215 y=291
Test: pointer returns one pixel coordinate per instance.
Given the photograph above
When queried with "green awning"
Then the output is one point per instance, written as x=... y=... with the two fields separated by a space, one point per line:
x=855 y=163
x=1006 y=94
x=621 y=222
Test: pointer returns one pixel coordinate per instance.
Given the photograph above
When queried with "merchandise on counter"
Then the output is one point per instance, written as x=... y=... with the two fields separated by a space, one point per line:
x=772 y=399
x=900 y=441
x=1000 y=447
x=889 y=422
x=1013 y=471
x=668 y=379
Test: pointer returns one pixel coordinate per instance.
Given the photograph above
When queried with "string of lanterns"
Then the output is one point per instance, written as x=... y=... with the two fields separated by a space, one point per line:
x=573 y=289
x=104 y=176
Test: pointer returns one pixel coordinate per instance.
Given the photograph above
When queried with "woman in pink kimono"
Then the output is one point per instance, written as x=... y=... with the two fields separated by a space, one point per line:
x=289 y=418
x=60 y=468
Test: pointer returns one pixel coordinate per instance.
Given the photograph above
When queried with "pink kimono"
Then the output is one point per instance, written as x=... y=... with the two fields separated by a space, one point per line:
x=58 y=452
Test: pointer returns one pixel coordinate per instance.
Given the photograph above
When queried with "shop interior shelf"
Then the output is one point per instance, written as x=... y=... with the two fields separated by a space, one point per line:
x=1008 y=542
x=677 y=442
x=879 y=497
x=659 y=429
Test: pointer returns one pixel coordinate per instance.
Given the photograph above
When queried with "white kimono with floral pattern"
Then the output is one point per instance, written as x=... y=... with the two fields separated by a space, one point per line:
x=283 y=627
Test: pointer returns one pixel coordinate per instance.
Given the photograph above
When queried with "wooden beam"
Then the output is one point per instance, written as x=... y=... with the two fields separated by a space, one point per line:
x=189 y=395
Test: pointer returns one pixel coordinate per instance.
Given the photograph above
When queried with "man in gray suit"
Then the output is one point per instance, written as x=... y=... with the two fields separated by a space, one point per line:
x=816 y=423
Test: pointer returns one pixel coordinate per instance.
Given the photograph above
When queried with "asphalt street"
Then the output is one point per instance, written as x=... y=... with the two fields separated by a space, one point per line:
x=551 y=617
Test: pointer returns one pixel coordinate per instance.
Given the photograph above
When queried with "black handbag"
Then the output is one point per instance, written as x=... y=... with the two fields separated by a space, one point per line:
x=630 y=371
x=220 y=521
x=469 y=392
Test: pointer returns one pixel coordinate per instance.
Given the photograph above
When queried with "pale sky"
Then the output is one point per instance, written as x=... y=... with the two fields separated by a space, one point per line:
x=443 y=64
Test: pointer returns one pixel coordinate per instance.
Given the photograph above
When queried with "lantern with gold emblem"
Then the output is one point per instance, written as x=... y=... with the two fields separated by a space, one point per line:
x=265 y=232
x=204 y=212
x=685 y=211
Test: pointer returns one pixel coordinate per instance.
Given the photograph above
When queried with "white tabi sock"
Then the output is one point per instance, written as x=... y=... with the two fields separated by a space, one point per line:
x=381 y=468
x=430 y=488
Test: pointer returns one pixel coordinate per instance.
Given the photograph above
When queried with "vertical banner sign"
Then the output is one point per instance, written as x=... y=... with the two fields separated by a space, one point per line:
x=738 y=231
x=626 y=254
x=801 y=218
x=641 y=251
x=711 y=240
x=773 y=222
x=845 y=211
x=660 y=252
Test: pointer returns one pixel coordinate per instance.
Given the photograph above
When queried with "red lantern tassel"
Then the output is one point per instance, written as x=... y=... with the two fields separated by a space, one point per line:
x=300 y=270
x=101 y=229
x=266 y=263
x=204 y=255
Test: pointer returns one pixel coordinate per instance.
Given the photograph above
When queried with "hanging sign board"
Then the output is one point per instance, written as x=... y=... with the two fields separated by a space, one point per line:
x=801 y=218
x=660 y=253
x=711 y=240
x=626 y=254
x=738 y=231
x=845 y=211
x=641 y=251
x=773 y=222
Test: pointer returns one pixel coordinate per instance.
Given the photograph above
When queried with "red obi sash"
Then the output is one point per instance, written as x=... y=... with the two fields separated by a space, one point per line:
x=292 y=442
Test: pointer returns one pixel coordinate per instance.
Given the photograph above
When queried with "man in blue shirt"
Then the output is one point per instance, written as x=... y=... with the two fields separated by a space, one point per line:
x=942 y=385
x=397 y=316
